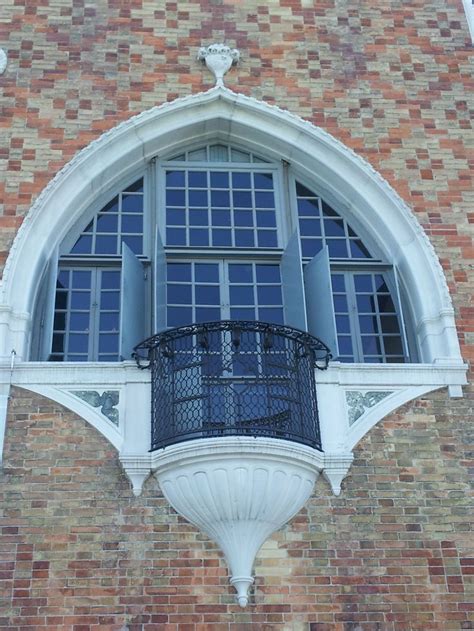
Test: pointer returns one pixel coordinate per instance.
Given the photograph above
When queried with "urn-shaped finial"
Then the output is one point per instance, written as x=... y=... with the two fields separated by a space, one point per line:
x=218 y=58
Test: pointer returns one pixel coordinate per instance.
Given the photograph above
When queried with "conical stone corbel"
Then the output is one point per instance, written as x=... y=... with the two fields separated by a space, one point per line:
x=238 y=490
x=336 y=467
x=137 y=469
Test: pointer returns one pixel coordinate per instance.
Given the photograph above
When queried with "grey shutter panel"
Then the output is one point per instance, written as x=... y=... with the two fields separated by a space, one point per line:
x=319 y=301
x=160 y=285
x=132 y=307
x=292 y=282
x=44 y=311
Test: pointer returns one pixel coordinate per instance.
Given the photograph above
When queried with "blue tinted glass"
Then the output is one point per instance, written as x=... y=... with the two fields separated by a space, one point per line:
x=343 y=324
x=175 y=236
x=310 y=227
x=134 y=243
x=83 y=245
x=240 y=273
x=179 y=271
x=358 y=249
x=370 y=345
x=268 y=314
x=269 y=295
x=340 y=304
x=107 y=223
x=208 y=272
x=268 y=273
x=78 y=343
x=198 y=217
x=132 y=203
x=263 y=180
x=389 y=324
x=78 y=321
x=345 y=344
x=198 y=198
x=242 y=199
x=310 y=247
x=220 y=199
x=328 y=211
x=219 y=179
x=221 y=237
x=105 y=244
x=198 y=237
x=266 y=219
x=308 y=207
x=267 y=239
x=242 y=313
x=110 y=280
x=77 y=358
x=207 y=314
x=368 y=324
x=244 y=238
x=303 y=191
x=207 y=295
x=334 y=228
x=58 y=343
x=365 y=303
x=337 y=248
x=243 y=218
x=241 y=295
x=81 y=280
x=175 y=198
x=241 y=180
x=338 y=283
x=221 y=217
x=89 y=227
x=108 y=343
x=179 y=294
x=111 y=207
x=179 y=316
x=380 y=285
x=132 y=223
x=363 y=283
x=197 y=179
x=109 y=322
x=175 y=178
x=264 y=200
x=110 y=300
x=63 y=279
x=176 y=217
x=80 y=300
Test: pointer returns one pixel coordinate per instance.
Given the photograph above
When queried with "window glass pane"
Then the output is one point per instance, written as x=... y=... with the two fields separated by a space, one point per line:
x=269 y=295
x=175 y=197
x=311 y=247
x=268 y=273
x=81 y=280
x=264 y=200
x=343 y=324
x=241 y=180
x=132 y=203
x=110 y=300
x=179 y=316
x=177 y=217
x=136 y=187
x=266 y=219
x=207 y=295
x=110 y=280
x=83 y=245
x=308 y=207
x=221 y=237
x=109 y=322
x=175 y=236
x=107 y=223
x=385 y=304
x=179 y=294
x=78 y=343
x=393 y=345
x=240 y=272
x=244 y=238
x=389 y=324
x=80 y=300
x=242 y=199
x=105 y=244
x=220 y=199
x=368 y=324
x=132 y=223
x=108 y=343
x=197 y=179
x=198 y=237
x=241 y=295
x=334 y=228
x=365 y=303
x=79 y=321
x=179 y=271
x=266 y=239
x=243 y=218
x=175 y=178
x=263 y=180
x=207 y=314
x=134 y=243
x=270 y=314
x=371 y=345
x=197 y=198
x=221 y=217
x=337 y=248
x=241 y=313
x=219 y=179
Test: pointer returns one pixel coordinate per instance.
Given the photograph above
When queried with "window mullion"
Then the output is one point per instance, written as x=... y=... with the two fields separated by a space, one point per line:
x=353 y=317
x=94 y=316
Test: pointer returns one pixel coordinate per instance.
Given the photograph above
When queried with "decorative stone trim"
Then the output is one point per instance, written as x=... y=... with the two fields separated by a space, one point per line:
x=3 y=61
x=219 y=58
x=107 y=402
x=359 y=402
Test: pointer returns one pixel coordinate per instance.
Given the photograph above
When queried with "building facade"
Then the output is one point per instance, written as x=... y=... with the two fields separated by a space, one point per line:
x=307 y=165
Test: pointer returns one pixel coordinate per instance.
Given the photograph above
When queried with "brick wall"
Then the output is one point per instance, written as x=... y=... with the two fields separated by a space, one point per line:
x=391 y=79
x=79 y=552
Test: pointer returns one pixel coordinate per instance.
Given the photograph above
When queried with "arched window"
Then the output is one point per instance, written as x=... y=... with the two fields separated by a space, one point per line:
x=217 y=232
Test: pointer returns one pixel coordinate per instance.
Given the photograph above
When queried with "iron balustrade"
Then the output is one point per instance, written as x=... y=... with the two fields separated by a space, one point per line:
x=233 y=378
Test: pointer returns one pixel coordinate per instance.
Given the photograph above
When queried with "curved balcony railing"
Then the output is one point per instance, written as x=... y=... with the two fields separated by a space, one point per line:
x=233 y=378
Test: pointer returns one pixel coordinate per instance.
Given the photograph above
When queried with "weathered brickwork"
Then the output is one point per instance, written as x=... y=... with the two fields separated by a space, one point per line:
x=391 y=79
x=79 y=552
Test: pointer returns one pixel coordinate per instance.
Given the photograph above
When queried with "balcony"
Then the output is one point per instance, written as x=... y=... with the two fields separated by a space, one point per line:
x=233 y=378
x=235 y=438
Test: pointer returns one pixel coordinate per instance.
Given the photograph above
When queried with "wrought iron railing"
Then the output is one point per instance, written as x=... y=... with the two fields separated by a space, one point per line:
x=233 y=378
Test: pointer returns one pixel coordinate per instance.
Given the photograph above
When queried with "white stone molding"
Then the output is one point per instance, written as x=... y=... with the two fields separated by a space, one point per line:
x=238 y=491
x=220 y=113
x=336 y=468
x=219 y=58
x=469 y=10
x=3 y=61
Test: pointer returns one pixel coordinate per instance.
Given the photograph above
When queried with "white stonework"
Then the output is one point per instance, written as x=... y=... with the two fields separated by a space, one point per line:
x=219 y=58
x=238 y=491
x=3 y=61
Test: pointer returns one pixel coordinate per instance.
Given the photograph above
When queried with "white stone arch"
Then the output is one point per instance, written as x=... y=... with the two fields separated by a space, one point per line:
x=221 y=113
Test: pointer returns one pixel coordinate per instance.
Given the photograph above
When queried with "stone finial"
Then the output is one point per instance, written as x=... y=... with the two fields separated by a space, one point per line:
x=219 y=58
x=3 y=61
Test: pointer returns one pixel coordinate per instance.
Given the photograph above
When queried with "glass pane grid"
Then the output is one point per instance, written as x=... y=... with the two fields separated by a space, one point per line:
x=218 y=153
x=119 y=220
x=321 y=225
x=220 y=208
